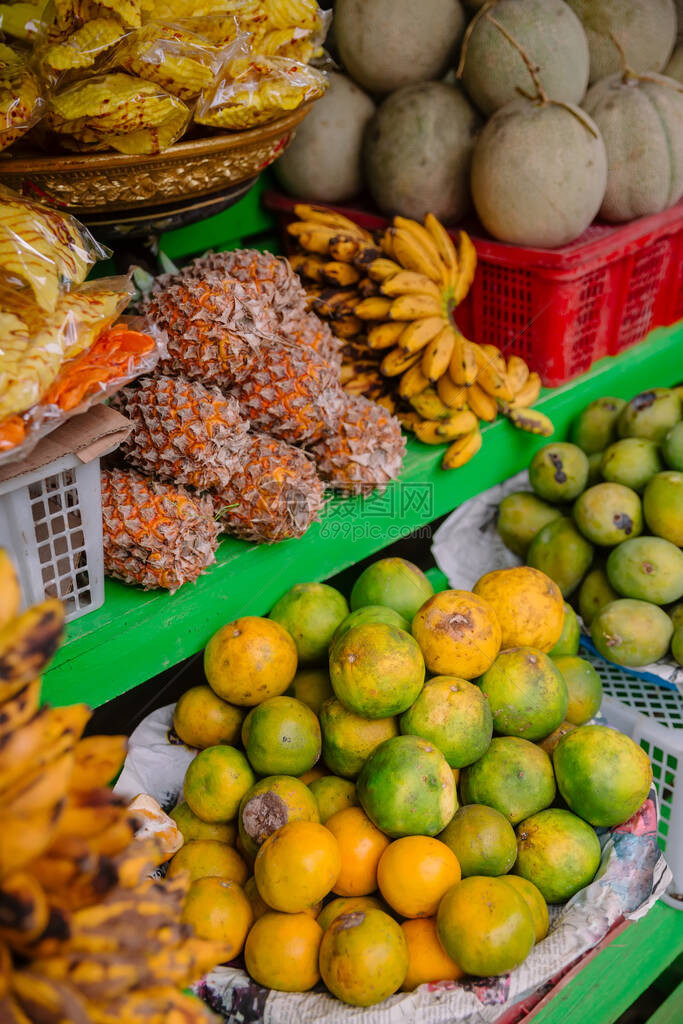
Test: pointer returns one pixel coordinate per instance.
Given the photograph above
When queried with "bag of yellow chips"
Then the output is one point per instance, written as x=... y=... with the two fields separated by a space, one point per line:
x=23 y=21
x=117 y=111
x=256 y=90
x=78 y=51
x=176 y=58
x=21 y=101
x=43 y=252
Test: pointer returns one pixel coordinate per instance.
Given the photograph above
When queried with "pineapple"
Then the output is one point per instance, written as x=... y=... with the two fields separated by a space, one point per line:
x=291 y=393
x=274 y=495
x=183 y=432
x=211 y=335
x=262 y=489
x=270 y=281
x=365 y=452
x=154 y=534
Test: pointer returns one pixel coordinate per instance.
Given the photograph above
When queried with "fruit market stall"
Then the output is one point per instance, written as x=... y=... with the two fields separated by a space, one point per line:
x=351 y=787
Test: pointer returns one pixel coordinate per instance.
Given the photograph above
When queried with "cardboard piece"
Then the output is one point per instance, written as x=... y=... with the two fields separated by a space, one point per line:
x=89 y=436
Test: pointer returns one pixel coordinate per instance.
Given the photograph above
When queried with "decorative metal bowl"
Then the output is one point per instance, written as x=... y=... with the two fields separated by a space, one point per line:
x=91 y=183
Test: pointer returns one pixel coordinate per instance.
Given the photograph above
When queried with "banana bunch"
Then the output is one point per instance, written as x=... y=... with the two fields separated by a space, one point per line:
x=395 y=300
x=86 y=936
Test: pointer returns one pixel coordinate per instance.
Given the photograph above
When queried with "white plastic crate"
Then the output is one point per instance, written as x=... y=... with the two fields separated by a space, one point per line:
x=653 y=716
x=51 y=525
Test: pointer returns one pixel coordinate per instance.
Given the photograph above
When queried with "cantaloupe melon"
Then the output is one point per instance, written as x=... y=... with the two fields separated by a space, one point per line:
x=386 y=44
x=551 y=36
x=641 y=122
x=538 y=173
x=646 y=31
x=674 y=68
x=323 y=163
x=418 y=150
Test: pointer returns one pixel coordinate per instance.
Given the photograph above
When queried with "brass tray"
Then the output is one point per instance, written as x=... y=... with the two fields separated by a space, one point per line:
x=89 y=183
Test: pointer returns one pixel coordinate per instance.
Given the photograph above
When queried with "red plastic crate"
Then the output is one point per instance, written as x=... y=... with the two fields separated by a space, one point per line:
x=561 y=309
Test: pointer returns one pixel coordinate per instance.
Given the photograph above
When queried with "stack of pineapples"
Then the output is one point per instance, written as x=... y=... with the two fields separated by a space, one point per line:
x=392 y=301
x=244 y=423
x=86 y=935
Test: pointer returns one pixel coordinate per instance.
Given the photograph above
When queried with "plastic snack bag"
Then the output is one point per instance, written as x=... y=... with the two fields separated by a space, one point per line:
x=174 y=9
x=72 y=14
x=23 y=21
x=80 y=50
x=21 y=101
x=257 y=90
x=117 y=111
x=37 y=344
x=174 y=57
x=42 y=251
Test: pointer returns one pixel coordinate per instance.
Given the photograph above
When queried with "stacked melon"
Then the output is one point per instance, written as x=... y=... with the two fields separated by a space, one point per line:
x=514 y=129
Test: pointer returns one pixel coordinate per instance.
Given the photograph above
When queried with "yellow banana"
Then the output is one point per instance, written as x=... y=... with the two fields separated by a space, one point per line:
x=382 y=268
x=346 y=327
x=414 y=307
x=41 y=789
x=429 y=405
x=462 y=450
x=385 y=335
x=427 y=245
x=448 y=429
x=463 y=367
x=387 y=402
x=367 y=287
x=409 y=420
x=354 y=250
x=437 y=355
x=419 y=333
x=492 y=373
x=467 y=264
x=482 y=405
x=517 y=373
x=444 y=244
x=531 y=420
x=397 y=361
x=23 y=837
x=21 y=746
x=374 y=308
x=321 y=215
x=312 y=267
x=412 y=256
x=527 y=395
x=343 y=274
x=97 y=761
x=10 y=595
x=413 y=381
x=408 y=282
x=27 y=644
x=19 y=708
x=452 y=395
x=25 y=909
x=335 y=303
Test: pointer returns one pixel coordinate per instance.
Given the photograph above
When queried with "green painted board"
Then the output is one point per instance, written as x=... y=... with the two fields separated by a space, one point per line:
x=136 y=635
x=610 y=983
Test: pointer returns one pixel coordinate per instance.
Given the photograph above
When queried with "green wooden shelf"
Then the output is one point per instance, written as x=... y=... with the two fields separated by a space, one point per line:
x=611 y=982
x=136 y=635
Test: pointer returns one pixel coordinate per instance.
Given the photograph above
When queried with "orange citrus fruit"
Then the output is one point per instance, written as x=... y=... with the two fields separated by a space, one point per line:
x=207 y=857
x=219 y=910
x=201 y=719
x=192 y=827
x=361 y=844
x=534 y=901
x=414 y=873
x=215 y=782
x=364 y=957
x=249 y=660
x=485 y=926
x=347 y=905
x=281 y=952
x=297 y=866
x=428 y=961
